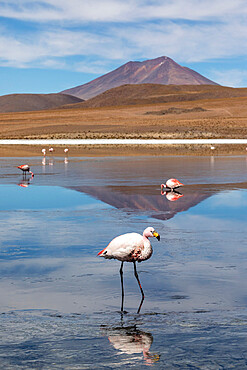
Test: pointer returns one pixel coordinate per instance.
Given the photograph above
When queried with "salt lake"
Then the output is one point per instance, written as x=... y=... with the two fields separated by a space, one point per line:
x=60 y=303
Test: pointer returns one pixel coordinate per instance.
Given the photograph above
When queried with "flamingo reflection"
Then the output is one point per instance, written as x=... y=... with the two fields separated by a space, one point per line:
x=24 y=183
x=131 y=247
x=172 y=196
x=130 y=340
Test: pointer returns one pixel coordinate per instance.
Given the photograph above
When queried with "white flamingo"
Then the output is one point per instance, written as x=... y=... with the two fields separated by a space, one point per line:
x=130 y=247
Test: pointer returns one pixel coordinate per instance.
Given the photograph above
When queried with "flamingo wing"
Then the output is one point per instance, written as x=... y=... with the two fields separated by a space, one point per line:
x=24 y=167
x=173 y=183
x=126 y=247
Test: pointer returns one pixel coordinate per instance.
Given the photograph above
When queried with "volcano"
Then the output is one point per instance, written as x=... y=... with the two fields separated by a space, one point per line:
x=162 y=70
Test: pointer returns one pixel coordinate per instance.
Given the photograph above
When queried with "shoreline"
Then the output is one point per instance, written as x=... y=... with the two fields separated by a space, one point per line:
x=22 y=150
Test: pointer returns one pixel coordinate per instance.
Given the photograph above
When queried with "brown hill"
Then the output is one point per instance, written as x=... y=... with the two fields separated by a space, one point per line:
x=162 y=70
x=158 y=94
x=216 y=118
x=33 y=102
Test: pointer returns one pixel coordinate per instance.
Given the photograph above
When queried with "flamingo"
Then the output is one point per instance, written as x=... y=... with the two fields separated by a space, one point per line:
x=171 y=184
x=51 y=150
x=130 y=247
x=66 y=150
x=44 y=152
x=25 y=168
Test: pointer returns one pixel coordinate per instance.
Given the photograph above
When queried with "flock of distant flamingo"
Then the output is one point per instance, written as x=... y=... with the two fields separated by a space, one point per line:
x=25 y=168
x=130 y=247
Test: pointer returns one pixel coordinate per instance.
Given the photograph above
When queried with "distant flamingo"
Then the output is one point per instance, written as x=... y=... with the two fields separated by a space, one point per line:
x=130 y=247
x=66 y=150
x=171 y=184
x=51 y=150
x=25 y=168
x=43 y=151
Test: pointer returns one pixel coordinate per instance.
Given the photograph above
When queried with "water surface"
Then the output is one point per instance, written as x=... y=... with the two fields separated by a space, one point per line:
x=60 y=302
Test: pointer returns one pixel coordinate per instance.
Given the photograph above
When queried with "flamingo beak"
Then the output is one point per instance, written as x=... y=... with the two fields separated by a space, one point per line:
x=156 y=235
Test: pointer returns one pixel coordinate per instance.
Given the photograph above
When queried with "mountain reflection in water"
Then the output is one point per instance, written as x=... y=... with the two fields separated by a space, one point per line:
x=149 y=199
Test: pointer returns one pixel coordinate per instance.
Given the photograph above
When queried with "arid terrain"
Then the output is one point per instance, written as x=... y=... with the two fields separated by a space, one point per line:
x=222 y=114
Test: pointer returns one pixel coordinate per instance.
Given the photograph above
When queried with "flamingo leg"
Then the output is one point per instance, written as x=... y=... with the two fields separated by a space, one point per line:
x=121 y=276
x=137 y=278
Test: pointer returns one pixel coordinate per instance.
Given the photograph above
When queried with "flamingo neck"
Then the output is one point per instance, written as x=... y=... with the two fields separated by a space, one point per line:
x=147 y=249
x=144 y=236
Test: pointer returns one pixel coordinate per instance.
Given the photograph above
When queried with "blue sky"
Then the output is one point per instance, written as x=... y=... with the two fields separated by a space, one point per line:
x=49 y=45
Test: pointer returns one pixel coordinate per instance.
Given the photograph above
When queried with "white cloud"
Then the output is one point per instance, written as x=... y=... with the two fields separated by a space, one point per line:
x=58 y=30
x=94 y=68
x=70 y=11
x=42 y=48
x=184 y=42
x=230 y=77
x=119 y=11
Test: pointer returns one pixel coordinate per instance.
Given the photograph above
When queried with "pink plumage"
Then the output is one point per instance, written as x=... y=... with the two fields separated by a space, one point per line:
x=172 y=184
x=131 y=247
x=25 y=168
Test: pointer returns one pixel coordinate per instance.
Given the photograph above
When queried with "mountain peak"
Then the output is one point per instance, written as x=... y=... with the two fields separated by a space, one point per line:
x=162 y=70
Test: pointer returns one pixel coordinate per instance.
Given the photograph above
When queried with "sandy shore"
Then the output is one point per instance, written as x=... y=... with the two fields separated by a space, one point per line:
x=123 y=150
x=216 y=119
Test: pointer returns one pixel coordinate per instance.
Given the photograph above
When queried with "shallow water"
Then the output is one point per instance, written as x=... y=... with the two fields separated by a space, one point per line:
x=60 y=303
